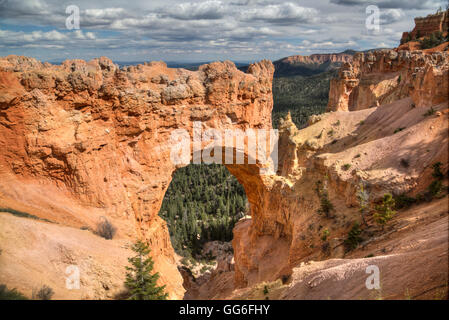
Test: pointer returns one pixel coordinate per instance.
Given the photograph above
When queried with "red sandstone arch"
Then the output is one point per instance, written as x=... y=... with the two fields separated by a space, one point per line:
x=100 y=134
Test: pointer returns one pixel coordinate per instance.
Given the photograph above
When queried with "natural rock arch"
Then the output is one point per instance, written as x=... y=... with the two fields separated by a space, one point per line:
x=100 y=134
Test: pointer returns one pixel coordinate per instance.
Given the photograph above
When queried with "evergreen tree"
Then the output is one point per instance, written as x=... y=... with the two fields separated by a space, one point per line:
x=385 y=211
x=363 y=197
x=140 y=281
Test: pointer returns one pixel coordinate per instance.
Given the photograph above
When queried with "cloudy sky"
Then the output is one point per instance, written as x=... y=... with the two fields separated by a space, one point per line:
x=201 y=30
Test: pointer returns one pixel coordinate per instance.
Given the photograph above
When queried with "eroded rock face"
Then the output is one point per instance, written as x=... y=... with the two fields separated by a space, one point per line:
x=101 y=134
x=380 y=77
x=425 y=26
x=389 y=148
x=319 y=58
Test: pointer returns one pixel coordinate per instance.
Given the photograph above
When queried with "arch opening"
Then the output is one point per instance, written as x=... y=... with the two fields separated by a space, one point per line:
x=202 y=204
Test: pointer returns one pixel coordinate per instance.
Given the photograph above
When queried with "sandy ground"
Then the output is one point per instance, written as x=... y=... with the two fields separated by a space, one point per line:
x=36 y=253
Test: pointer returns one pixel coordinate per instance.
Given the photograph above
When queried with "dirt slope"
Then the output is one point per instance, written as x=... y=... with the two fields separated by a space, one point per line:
x=35 y=253
x=412 y=256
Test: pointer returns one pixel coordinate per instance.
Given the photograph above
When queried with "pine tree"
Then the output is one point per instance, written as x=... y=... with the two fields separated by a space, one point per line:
x=385 y=211
x=140 y=281
x=363 y=197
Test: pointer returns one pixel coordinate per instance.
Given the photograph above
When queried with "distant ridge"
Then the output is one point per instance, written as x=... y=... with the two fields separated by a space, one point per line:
x=310 y=65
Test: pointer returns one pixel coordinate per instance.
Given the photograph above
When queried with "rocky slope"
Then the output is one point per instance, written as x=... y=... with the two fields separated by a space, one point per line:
x=389 y=142
x=384 y=76
x=342 y=149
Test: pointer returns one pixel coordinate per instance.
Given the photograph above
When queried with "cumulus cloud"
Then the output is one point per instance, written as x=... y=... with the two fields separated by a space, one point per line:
x=285 y=13
x=391 y=15
x=399 y=4
x=201 y=29
x=49 y=39
x=210 y=9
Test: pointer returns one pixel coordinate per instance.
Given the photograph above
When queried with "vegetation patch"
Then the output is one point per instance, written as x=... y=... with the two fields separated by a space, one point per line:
x=435 y=39
x=44 y=293
x=429 y=112
x=326 y=207
x=202 y=204
x=105 y=229
x=353 y=239
x=434 y=190
x=384 y=212
x=22 y=214
x=141 y=282
x=325 y=235
x=10 y=294
x=303 y=96
x=405 y=163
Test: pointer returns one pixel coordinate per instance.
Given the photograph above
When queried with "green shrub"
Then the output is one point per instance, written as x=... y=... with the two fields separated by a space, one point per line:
x=10 y=294
x=398 y=130
x=346 y=166
x=433 y=40
x=437 y=174
x=44 y=293
x=429 y=112
x=22 y=214
x=105 y=229
x=353 y=239
x=405 y=163
x=434 y=188
x=325 y=205
x=265 y=290
x=384 y=212
x=325 y=234
x=404 y=201
x=363 y=199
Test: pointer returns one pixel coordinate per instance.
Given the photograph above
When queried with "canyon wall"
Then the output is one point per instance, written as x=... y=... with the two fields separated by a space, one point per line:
x=319 y=58
x=384 y=76
x=388 y=143
x=86 y=139
x=425 y=26
x=309 y=65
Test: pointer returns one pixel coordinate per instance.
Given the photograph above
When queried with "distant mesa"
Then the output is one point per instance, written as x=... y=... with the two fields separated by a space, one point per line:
x=299 y=65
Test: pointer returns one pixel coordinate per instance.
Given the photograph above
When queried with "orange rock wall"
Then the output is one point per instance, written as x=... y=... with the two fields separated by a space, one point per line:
x=102 y=134
x=425 y=26
x=379 y=77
